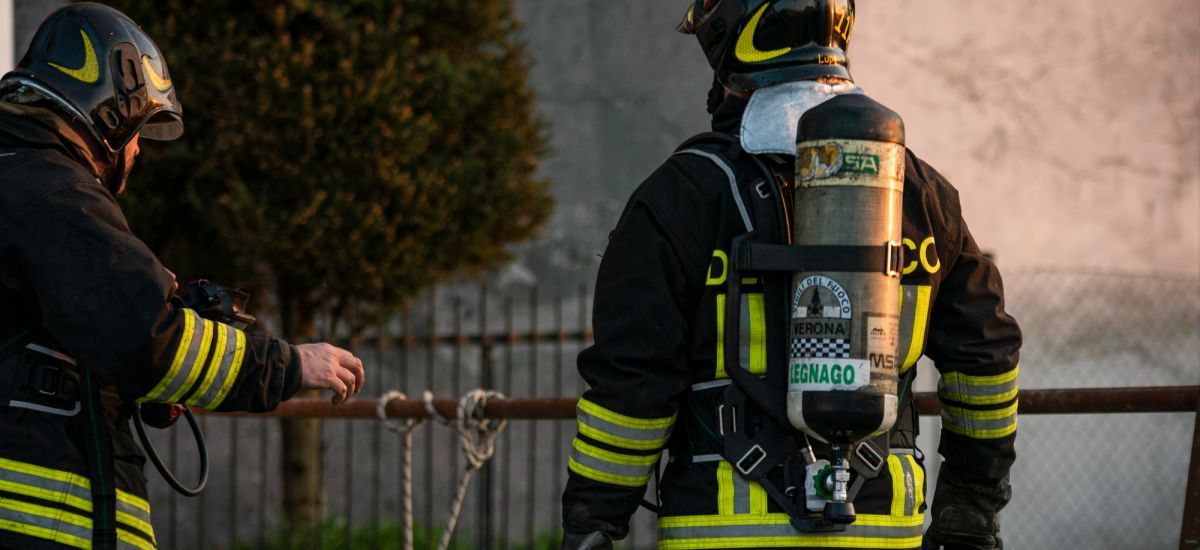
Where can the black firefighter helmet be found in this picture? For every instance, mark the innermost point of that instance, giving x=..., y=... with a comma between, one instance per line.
x=100, y=67
x=753, y=44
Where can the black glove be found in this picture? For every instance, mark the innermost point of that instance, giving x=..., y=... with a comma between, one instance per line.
x=965, y=515
x=596, y=540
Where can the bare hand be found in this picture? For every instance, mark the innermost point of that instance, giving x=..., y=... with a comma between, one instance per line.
x=328, y=367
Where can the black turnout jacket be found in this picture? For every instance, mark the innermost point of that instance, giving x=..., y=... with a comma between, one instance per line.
x=656, y=367
x=79, y=290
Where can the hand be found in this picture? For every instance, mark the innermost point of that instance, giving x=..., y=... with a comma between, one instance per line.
x=174, y=282
x=328, y=367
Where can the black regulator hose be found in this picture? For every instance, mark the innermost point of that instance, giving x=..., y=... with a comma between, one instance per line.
x=201, y=450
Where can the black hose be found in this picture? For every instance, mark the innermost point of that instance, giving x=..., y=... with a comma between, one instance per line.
x=201, y=449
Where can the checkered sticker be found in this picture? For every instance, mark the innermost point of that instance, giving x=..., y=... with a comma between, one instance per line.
x=827, y=348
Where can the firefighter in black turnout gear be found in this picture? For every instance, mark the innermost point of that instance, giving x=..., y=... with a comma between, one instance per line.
x=86, y=324
x=657, y=372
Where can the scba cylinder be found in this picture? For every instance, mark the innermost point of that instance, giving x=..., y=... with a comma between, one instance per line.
x=844, y=328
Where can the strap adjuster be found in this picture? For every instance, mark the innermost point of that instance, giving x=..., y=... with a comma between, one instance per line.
x=754, y=456
x=869, y=456
x=895, y=259
x=48, y=380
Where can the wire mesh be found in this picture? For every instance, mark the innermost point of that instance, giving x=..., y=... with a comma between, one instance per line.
x=1081, y=481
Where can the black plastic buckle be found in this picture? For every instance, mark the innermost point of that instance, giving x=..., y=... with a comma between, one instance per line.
x=754, y=456
x=48, y=380
x=870, y=457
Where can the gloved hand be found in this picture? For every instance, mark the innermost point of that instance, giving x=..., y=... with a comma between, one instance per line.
x=596, y=540
x=965, y=515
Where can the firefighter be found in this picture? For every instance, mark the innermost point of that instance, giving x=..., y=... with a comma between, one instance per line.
x=86, y=327
x=657, y=372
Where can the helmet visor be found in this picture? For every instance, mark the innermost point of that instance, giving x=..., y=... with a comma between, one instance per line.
x=163, y=126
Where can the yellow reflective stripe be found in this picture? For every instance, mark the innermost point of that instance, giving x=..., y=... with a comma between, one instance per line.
x=980, y=390
x=619, y=430
x=980, y=424
x=46, y=494
x=47, y=512
x=758, y=334
x=227, y=384
x=44, y=533
x=775, y=530
x=616, y=458
x=48, y=473
x=189, y=325
x=133, y=540
x=896, y=471
x=725, y=488
x=136, y=523
x=758, y=499
x=197, y=364
x=214, y=364
x=606, y=477
x=133, y=500
x=721, y=338
x=920, y=319
x=626, y=421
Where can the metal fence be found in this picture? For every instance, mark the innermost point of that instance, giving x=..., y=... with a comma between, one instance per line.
x=1081, y=481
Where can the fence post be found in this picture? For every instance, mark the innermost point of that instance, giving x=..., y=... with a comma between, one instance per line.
x=1189, y=532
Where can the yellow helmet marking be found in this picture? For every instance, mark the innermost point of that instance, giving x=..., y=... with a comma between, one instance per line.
x=746, y=52
x=161, y=84
x=89, y=73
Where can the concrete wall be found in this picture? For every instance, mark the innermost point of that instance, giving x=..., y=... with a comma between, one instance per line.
x=1071, y=128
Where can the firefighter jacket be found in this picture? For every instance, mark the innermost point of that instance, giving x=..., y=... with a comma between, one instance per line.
x=91, y=300
x=656, y=371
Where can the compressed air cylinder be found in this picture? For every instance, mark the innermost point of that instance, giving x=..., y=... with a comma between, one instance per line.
x=844, y=327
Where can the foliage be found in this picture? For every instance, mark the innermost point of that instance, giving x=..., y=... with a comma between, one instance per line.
x=338, y=151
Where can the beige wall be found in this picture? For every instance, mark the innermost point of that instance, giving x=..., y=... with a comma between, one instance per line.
x=1071, y=127
x=6, y=35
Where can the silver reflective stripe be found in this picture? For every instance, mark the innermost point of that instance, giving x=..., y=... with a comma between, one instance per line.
x=750, y=531
x=910, y=490
x=45, y=409
x=607, y=427
x=973, y=425
x=47, y=351
x=711, y=384
x=741, y=494
x=610, y=467
x=134, y=511
x=908, y=314
x=957, y=389
x=733, y=187
x=699, y=459
x=193, y=359
x=53, y=490
x=223, y=369
x=45, y=523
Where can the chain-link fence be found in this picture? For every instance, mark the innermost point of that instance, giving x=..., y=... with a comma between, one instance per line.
x=1081, y=481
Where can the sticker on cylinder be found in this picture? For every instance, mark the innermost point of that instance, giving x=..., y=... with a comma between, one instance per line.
x=828, y=374
x=882, y=338
x=821, y=312
x=849, y=162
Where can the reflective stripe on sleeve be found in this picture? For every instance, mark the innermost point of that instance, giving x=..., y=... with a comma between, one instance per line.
x=221, y=375
x=608, y=467
x=193, y=348
x=134, y=512
x=979, y=390
x=627, y=432
x=775, y=530
x=992, y=424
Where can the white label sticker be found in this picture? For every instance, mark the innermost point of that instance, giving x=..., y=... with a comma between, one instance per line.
x=813, y=374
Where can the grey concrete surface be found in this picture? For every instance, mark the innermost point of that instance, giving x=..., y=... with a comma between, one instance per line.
x=1071, y=128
